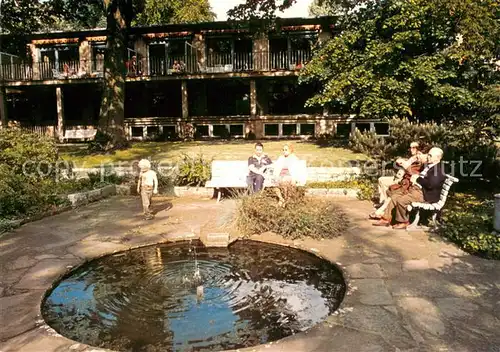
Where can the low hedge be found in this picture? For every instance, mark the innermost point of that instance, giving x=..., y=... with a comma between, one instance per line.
x=300, y=217
x=468, y=222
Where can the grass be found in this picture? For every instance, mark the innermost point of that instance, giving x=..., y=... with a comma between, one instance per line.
x=170, y=152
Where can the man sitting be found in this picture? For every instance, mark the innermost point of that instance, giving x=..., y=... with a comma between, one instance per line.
x=426, y=186
x=385, y=182
x=257, y=165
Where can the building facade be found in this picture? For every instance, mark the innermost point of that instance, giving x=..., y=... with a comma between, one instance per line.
x=212, y=80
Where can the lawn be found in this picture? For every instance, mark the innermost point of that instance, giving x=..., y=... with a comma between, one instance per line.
x=170, y=152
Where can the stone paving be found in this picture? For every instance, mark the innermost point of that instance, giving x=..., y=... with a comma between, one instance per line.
x=407, y=291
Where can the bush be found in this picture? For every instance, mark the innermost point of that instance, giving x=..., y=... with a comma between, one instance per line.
x=301, y=216
x=364, y=184
x=468, y=222
x=28, y=154
x=193, y=171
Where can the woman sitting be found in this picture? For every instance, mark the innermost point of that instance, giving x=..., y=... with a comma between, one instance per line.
x=285, y=171
x=413, y=167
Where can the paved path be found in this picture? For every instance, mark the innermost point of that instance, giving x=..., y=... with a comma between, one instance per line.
x=408, y=292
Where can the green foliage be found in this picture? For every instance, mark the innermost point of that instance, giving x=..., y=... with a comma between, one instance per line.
x=364, y=185
x=468, y=222
x=301, y=216
x=429, y=60
x=193, y=170
x=27, y=154
x=370, y=144
x=165, y=181
x=104, y=177
x=175, y=11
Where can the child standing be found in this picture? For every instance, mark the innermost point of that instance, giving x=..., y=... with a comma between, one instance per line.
x=147, y=186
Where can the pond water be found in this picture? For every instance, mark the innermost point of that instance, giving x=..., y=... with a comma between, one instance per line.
x=186, y=297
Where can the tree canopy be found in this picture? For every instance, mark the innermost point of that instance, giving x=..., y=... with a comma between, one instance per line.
x=427, y=59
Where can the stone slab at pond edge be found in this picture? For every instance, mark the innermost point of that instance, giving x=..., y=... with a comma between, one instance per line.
x=82, y=198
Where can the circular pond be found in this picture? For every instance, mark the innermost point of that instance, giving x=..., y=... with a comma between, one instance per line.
x=186, y=297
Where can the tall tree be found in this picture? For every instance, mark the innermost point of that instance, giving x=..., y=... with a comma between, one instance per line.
x=428, y=59
x=175, y=11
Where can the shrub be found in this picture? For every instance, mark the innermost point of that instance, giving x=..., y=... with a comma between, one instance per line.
x=468, y=222
x=104, y=177
x=27, y=153
x=300, y=217
x=365, y=186
x=193, y=170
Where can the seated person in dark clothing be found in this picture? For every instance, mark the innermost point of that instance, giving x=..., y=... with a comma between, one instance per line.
x=425, y=186
x=257, y=165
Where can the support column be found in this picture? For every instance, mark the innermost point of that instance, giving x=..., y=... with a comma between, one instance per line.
x=3, y=108
x=60, y=114
x=185, y=101
x=141, y=47
x=253, y=99
x=260, y=51
x=85, y=55
x=35, y=56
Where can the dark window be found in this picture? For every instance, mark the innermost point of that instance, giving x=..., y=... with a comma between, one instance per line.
x=202, y=130
x=271, y=129
x=153, y=131
x=136, y=131
x=169, y=130
x=343, y=129
x=236, y=130
x=289, y=129
x=220, y=130
x=382, y=128
x=363, y=127
x=307, y=129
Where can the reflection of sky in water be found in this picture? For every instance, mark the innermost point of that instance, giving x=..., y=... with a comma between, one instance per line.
x=205, y=318
x=127, y=307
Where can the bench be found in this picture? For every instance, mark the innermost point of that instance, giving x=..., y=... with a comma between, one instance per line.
x=435, y=208
x=80, y=134
x=234, y=174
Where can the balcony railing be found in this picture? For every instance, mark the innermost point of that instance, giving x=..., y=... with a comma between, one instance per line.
x=159, y=66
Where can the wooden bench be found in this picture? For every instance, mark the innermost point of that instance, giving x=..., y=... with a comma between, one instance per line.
x=84, y=134
x=234, y=174
x=435, y=208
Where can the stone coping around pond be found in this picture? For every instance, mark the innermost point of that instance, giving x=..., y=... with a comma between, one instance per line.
x=83, y=198
x=405, y=293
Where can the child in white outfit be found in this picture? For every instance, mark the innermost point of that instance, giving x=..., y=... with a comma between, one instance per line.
x=147, y=186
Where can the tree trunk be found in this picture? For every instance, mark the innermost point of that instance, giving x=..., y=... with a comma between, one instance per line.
x=112, y=113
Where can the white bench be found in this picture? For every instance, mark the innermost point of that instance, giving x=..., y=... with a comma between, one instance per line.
x=84, y=134
x=435, y=208
x=234, y=174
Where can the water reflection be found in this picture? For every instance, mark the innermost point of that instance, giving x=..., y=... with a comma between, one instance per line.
x=149, y=299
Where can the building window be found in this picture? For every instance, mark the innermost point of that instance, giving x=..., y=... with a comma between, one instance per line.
x=307, y=129
x=220, y=131
x=169, y=130
x=289, y=129
x=153, y=131
x=363, y=127
x=343, y=129
x=98, y=50
x=271, y=129
x=382, y=128
x=202, y=130
x=236, y=130
x=137, y=132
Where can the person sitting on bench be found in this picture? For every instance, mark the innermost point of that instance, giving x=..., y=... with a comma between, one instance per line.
x=285, y=172
x=257, y=165
x=426, y=186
